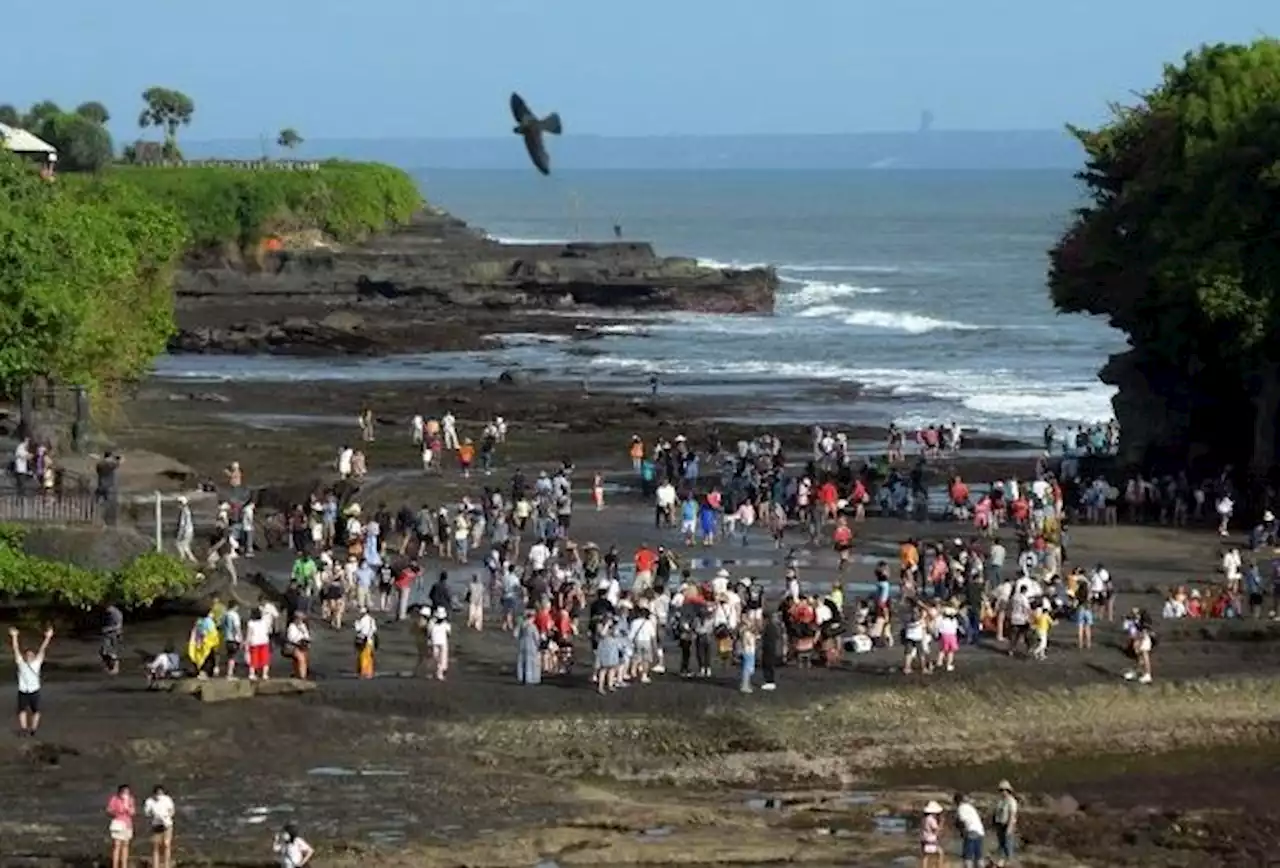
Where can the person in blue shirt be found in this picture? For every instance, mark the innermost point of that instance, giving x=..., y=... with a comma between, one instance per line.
x=688, y=519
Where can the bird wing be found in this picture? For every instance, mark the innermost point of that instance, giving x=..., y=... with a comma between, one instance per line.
x=520, y=110
x=537, y=150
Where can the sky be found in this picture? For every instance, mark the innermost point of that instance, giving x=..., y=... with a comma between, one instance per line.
x=431, y=68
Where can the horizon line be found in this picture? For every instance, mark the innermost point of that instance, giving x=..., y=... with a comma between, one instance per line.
x=614, y=136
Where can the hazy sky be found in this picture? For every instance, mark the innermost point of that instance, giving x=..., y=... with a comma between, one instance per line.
x=382, y=68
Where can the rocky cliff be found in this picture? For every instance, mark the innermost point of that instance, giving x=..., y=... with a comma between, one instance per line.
x=437, y=283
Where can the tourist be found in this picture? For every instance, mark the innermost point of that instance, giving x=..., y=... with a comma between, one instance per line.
x=257, y=637
x=121, y=809
x=528, y=651
x=1041, y=624
x=913, y=636
x=163, y=666
x=438, y=634
x=112, y=634
x=449, y=431
x=948, y=630
x=160, y=812
x=203, y=642
x=476, y=594
x=597, y=491
x=1005, y=821
x=748, y=643
x=930, y=835
x=185, y=532
x=297, y=641
x=405, y=582
x=232, y=630
x=366, y=630
x=28, y=664
x=972, y=831
x=466, y=456
x=1141, y=641
x=771, y=638
x=292, y=849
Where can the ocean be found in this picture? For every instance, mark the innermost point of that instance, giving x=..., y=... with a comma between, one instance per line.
x=925, y=287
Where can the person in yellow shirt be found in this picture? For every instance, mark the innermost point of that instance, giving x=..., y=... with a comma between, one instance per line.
x=1041, y=623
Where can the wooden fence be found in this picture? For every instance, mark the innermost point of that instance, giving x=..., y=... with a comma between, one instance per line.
x=79, y=508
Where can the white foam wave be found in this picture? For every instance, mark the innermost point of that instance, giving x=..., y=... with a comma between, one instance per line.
x=839, y=269
x=911, y=323
x=981, y=394
x=821, y=310
x=618, y=329
x=733, y=264
x=813, y=292
x=518, y=339
x=514, y=239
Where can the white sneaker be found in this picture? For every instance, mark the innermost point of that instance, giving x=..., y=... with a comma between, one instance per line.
x=659, y=669
x=769, y=686
x=1145, y=679
x=1130, y=675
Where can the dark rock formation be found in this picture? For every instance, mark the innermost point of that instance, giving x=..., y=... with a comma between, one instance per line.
x=436, y=272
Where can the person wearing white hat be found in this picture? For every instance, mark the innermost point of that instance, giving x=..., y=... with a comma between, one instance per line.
x=185, y=533
x=930, y=831
x=438, y=636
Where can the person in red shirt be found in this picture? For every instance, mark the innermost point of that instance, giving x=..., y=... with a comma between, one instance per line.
x=646, y=559
x=859, y=498
x=827, y=496
x=407, y=578
x=842, y=540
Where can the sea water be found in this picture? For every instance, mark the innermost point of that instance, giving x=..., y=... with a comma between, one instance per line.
x=927, y=288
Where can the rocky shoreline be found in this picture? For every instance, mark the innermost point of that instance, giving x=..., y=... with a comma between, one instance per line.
x=437, y=284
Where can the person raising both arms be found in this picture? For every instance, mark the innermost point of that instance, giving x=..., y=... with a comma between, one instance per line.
x=28, y=664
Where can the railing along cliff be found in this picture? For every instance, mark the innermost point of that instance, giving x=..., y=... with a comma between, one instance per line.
x=246, y=165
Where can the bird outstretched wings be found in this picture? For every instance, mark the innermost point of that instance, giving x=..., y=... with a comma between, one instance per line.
x=520, y=110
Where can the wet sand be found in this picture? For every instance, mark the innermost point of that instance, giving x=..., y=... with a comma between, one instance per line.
x=481, y=771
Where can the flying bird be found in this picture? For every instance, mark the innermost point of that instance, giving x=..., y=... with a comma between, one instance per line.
x=530, y=128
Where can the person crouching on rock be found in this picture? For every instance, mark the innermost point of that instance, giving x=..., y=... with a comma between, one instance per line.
x=366, y=630
x=297, y=639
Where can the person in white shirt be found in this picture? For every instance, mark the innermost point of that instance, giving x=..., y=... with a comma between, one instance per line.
x=366, y=630
x=345, y=457
x=257, y=638
x=948, y=629
x=970, y=823
x=185, y=532
x=416, y=427
x=1019, y=620
x=164, y=666
x=246, y=525
x=159, y=811
x=291, y=848
x=438, y=637
x=28, y=664
x=665, y=503
x=449, y=430
x=538, y=556
x=1226, y=506
x=297, y=639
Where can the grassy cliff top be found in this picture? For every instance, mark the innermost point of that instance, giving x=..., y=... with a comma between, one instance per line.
x=227, y=205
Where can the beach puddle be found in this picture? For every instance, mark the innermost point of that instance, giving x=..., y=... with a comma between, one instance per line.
x=888, y=824
x=656, y=833
x=339, y=772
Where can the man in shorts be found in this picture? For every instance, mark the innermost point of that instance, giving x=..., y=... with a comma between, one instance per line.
x=28, y=664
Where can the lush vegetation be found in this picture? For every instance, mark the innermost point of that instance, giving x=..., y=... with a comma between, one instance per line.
x=140, y=582
x=227, y=205
x=84, y=278
x=1177, y=245
x=81, y=136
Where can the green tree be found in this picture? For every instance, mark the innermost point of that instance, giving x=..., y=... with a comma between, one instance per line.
x=289, y=138
x=85, y=291
x=10, y=116
x=1177, y=244
x=39, y=113
x=84, y=145
x=94, y=111
x=168, y=110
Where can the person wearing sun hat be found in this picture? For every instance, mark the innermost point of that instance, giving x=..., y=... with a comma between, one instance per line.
x=930, y=831
x=1005, y=821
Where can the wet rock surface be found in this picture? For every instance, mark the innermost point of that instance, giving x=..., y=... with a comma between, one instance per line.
x=437, y=284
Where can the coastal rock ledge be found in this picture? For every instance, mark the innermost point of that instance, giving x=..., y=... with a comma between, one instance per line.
x=372, y=298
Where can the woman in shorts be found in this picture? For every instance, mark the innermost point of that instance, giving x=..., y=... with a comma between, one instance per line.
x=159, y=811
x=121, y=809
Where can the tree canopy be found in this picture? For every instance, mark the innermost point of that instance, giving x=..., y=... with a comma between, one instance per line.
x=84, y=280
x=1177, y=244
x=81, y=137
x=168, y=110
x=289, y=138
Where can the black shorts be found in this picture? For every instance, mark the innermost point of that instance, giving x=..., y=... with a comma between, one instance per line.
x=1255, y=599
x=29, y=702
x=564, y=520
x=232, y=649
